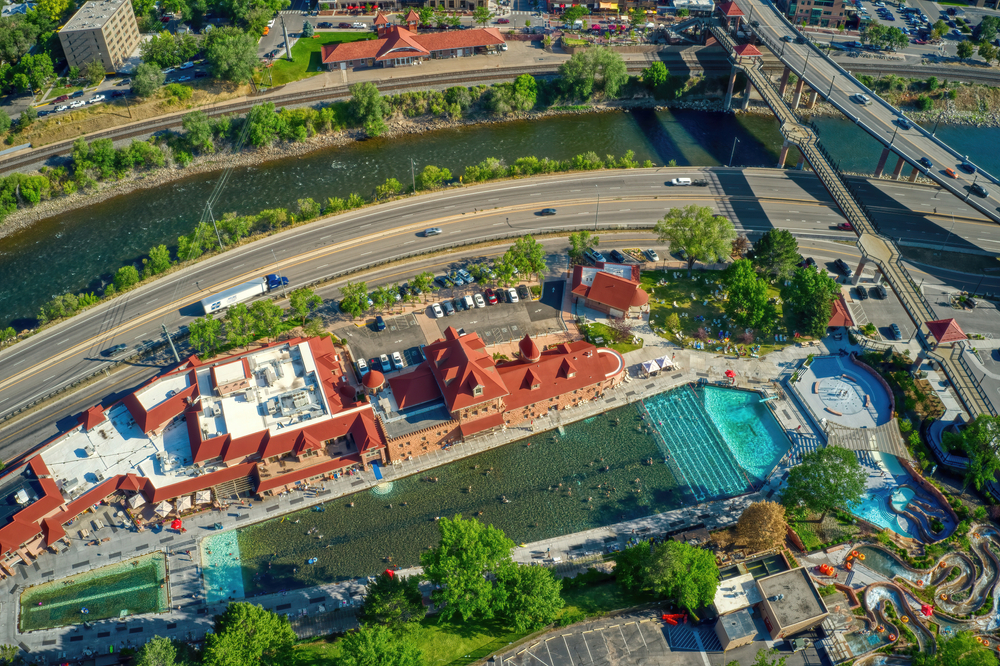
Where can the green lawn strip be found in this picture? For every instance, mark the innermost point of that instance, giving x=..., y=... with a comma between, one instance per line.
x=600, y=599
x=595, y=330
x=59, y=92
x=306, y=57
x=704, y=304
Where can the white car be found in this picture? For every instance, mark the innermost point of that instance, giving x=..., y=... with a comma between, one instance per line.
x=511, y=295
x=397, y=360
x=168, y=70
x=651, y=255
x=436, y=309
x=62, y=108
x=182, y=79
x=861, y=98
x=270, y=24
x=98, y=98
x=77, y=104
x=362, y=367
x=359, y=25
x=187, y=65
x=480, y=303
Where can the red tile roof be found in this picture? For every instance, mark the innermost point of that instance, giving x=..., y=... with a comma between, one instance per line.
x=279, y=480
x=401, y=43
x=472, y=427
x=374, y=380
x=415, y=388
x=461, y=365
x=946, y=330
x=412, y=17
x=615, y=292
x=748, y=50
x=568, y=367
x=151, y=419
x=839, y=314
x=380, y=19
x=25, y=525
x=730, y=9
x=92, y=418
x=529, y=350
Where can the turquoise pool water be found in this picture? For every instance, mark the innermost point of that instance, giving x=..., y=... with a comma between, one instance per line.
x=721, y=441
x=221, y=567
x=881, y=562
x=875, y=506
x=902, y=497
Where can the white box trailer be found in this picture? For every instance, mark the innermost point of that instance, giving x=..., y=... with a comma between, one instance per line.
x=234, y=295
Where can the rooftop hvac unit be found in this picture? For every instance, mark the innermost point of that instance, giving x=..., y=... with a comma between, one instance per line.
x=209, y=412
x=269, y=376
x=21, y=496
x=216, y=411
x=89, y=449
x=100, y=475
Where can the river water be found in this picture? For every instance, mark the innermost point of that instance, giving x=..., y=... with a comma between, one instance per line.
x=88, y=244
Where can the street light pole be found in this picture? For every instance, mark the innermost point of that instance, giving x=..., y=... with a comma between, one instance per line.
x=733, y=153
x=895, y=129
x=831, y=86
x=949, y=232
x=941, y=115
x=413, y=176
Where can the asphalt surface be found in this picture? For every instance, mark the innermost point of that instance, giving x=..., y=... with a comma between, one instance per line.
x=878, y=118
x=756, y=200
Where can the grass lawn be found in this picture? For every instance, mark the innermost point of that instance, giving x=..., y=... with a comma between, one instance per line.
x=833, y=528
x=306, y=57
x=702, y=286
x=594, y=600
x=58, y=92
x=595, y=330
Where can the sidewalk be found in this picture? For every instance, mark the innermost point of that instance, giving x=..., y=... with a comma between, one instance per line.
x=191, y=617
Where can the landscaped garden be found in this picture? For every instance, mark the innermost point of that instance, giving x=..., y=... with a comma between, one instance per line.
x=306, y=57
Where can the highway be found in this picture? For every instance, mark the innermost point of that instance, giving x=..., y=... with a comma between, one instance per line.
x=878, y=118
x=756, y=200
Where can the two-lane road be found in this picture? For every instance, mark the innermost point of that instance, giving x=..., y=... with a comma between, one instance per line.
x=756, y=200
x=878, y=118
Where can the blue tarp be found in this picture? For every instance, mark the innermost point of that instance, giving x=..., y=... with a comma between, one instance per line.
x=378, y=472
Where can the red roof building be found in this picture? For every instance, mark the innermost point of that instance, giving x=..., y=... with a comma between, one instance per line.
x=748, y=50
x=946, y=331
x=398, y=46
x=730, y=9
x=610, y=288
x=839, y=314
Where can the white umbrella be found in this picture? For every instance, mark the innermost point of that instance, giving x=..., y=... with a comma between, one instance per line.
x=203, y=497
x=163, y=508
x=183, y=502
x=136, y=500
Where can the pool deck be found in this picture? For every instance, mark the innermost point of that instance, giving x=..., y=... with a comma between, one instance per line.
x=190, y=616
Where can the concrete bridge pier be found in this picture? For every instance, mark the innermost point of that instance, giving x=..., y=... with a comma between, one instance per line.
x=746, y=94
x=811, y=102
x=783, y=155
x=899, y=168
x=914, y=174
x=881, y=163
x=799, y=87
x=857, y=273
x=802, y=161
x=729, y=90
x=784, y=81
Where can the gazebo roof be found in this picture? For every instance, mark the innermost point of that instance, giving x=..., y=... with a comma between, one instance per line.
x=380, y=19
x=748, y=50
x=946, y=330
x=373, y=380
x=839, y=314
x=730, y=9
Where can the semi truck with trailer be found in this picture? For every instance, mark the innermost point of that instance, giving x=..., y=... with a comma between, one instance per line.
x=242, y=292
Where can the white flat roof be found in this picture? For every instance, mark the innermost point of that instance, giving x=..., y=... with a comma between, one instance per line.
x=159, y=391
x=736, y=593
x=230, y=372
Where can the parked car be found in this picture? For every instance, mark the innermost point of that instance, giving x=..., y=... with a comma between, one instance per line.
x=523, y=293
x=459, y=304
x=651, y=255
x=118, y=93
x=77, y=104
x=878, y=291
x=324, y=24
x=478, y=298
x=444, y=282
x=436, y=309
x=448, y=308
x=897, y=335
x=114, y=351
x=183, y=79
x=358, y=25
x=78, y=93
x=503, y=21
x=62, y=108
x=466, y=276
x=187, y=65
x=511, y=295
x=808, y=261
x=343, y=25
x=379, y=323
x=491, y=297
x=617, y=256
x=842, y=266
x=384, y=362
x=593, y=255
x=468, y=303
x=200, y=75
x=362, y=367
x=397, y=361
x=61, y=98
x=862, y=292
x=456, y=278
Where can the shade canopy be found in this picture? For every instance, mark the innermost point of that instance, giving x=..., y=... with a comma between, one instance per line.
x=946, y=330
x=177, y=524
x=203, y=497
x=163, y=508
x=183, y=502
x=651, y=367
x=665, y=362
x=136, y=500
x=730, y=373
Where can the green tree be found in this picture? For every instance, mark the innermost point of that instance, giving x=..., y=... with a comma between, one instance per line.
x=239, y=326
x=28, y=116
x=354, y=298
x=980, y=440
x=504, y=271
x=828, y=478
x=525, y=92
x=580, y=242
x=304, y=302
x=458, y=566
x=528, y=255
x=161, y=50
x=390, y=188
x=159, y=259
x=37, y=68
x=637, y=17
x=375, y=645
x=987, y=29
x=198, y=132
x=597, y=68
x=686, y=574
x=655, y=75
x=530, y=597
x=95, y=72
x=896, y=39
x=431, y=177
x=308, y=30
x=987, y=52
x=52, y=9
x=965, y=49
x=393, y=602
x=17, y=36
x=125, y=277
x=266, y=317
x=632, y=567
x=231, y=54
x=574, y=14
x=206, y=335
x=695, y=230
x=776, y=253
x=248, y=635
x=158, y=651
x=368, y=107
x=9, y=654
x=808, y=301
x=747, y=303
x=683, y=12
x=147, y=79
x=5, y=122
x=962, y=649
x=424, y=282
x=384, y=297
x=482, y=15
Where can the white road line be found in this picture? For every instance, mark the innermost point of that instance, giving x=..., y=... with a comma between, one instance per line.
x=574, y=190
x=139, y=336
x=989, y=240
x=62, y=342
x=497, y=224
x=408, y=242
x=325, y=237
x=624, y=210
x=48, y=378
x=497, y=199
x=365, y=225
x=19, y=363
x=365, y=254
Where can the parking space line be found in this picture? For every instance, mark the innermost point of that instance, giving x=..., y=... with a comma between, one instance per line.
x=589, y=654
x=528, y=651
x=623, y=639
x=638, y=627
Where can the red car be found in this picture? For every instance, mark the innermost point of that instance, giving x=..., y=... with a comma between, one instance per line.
x=503, y=20
x=845, y=226
x=491, y=297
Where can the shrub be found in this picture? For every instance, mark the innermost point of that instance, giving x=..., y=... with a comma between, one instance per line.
x=924, y=103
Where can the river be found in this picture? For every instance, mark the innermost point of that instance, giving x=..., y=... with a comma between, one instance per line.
x=121, y=230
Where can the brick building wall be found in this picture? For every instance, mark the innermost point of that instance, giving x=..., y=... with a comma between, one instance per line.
x=421, y=442
x=538, y=409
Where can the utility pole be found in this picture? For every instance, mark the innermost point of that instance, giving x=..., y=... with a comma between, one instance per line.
x=733, y=153
x=413, y=176
x=284, y=32
x=171, y=341
x=276, y=272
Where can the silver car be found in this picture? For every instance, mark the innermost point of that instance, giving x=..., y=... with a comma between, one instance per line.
x=433, y=231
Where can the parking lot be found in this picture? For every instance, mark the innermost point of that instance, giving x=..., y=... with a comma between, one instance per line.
x=882, y=313
x=984, y=318
x=507, y=322
x=402, y=334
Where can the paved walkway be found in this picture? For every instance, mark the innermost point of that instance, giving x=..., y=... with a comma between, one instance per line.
x=189, y=616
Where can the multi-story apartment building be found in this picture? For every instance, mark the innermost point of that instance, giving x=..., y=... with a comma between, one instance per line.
x=823, y=13
x=102, y=30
